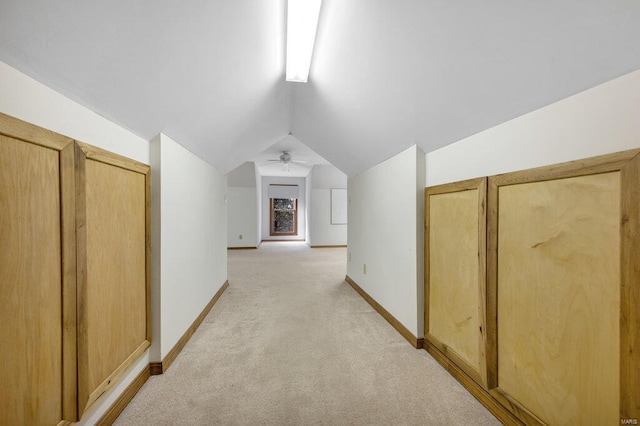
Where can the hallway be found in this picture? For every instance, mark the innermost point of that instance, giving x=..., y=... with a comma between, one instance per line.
x=290, y=342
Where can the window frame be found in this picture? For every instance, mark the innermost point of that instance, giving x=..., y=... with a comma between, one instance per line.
x=272, y=231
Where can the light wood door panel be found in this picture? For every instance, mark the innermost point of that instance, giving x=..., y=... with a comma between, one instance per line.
x=455, y=264
x=454, y=299
x=112, y=217
x=558, y=298
x=74, y=272
x=115, y=264
x=30, y=284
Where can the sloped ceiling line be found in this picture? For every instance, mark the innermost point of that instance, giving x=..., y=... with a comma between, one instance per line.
x=386, y=74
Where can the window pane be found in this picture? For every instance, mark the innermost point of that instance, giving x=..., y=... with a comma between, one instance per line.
x=284, y=203
x=283, y=221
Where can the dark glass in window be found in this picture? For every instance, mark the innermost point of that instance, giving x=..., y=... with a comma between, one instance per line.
x=283, y=216
x=283, y=222
x=284, y=203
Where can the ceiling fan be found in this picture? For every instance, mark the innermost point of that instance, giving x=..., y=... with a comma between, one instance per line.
x=286, y=159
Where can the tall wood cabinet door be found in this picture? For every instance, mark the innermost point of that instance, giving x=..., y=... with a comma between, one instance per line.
x=113, y=268
x=36, y=274
x=564, y=293
x=455, y=270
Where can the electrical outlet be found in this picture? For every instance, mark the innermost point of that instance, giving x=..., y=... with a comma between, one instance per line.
x=240, y=237
x=364, y=268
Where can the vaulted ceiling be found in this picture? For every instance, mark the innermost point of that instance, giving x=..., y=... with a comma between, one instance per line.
x=386, y=74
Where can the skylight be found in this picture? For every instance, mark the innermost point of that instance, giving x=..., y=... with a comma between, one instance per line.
x=302, y=23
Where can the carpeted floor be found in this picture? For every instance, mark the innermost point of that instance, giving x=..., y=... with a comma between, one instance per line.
x=291, y=343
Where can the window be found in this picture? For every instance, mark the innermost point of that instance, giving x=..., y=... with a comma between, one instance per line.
x=284, y=216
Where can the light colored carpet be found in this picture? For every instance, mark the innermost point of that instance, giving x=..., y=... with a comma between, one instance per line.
x=291, y=343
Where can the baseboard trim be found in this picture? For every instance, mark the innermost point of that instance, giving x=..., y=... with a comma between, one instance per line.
x=480, y=393
x=156, y=368
x=242, y=248
x=123, y=400
x=330, y=246
x=404, y=331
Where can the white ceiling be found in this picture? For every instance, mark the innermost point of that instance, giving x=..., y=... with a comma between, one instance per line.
x=299, y=153
x=386, y=74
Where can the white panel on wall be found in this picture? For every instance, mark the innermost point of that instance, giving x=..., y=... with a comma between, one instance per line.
x=319, y=183
x=321, y=231
x=338, y=206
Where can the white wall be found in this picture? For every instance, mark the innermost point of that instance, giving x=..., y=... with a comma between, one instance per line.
x=243, y=176
x=242, y=211
x=308, y=186
x=259, y=204
x=193, y=236
x=321, y=231
x=384, y=232
x=266, y=209
x=26, y=99
x=598, y=121
x=421, y=173
x=155, y=160
x=242, y=207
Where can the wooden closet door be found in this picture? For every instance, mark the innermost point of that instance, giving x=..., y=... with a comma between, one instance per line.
x=112, y=219
x=455, y=269
x=564, y=284
x=37, y=325
x=559, y=294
